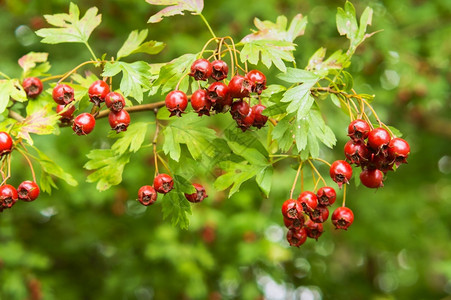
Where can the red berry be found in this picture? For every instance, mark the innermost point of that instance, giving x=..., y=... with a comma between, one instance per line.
x=223, y=105
x=356, y=152
x=217, y=92
x=294, y=223
x=147, y=195
x=319, y=214
x=239, y=87
x=98, y=91
x=201, y=69
x=258, y=80
x=68, y=114
x=200, y=102
x=259, y=120
x=326, y=196
x=398, y=150
x=119, y=121
x=358, y=130
x=6, y=143
x=378, y=139
x=32, y=86
x=114, y=101
x=372, y=178
x=380, y=161
x=163, y=183
x=28, y=191
x=63, y=94
x=308, y=200
x=176, y=103
x=342, y=218
x=8, y=196
x=83, y=124
x=340, y=172
x=219, y=70
x=314, y=230
x=239, y=109
x=199, y=195
x=246, y=122
x=291, y=209
x=296, y=237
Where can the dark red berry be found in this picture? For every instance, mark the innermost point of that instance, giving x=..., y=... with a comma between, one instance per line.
x=246, y=122
x=114, y=101
x=201, y=69
x=291, y=209
x=342, y=218
x=239, y=87
x=63, y=94
x=294, y=223
x=326, y=196
x=223, y=105
x=356, y=152
x=319, y=214
x=259, y=120
x=8, y=195
x=358, y=130
x=296, y=237
x=176, y=103
x=380, y=161
x=340, y=172
x=6, y=143
x=98, y=91
x=239, y=109
x=217, y=92
x=372, y=178
x=314, y=230
x=32, y=86
x=28, y=191
x=199, y=195
x=68, y=114
x=200, y=102
x=119, y=121
x=378, y=139
x=219, y=70
x=83, y=124
x=258, y=80
x=308, y=200
x=398, y=151
x=163, y=183
x=147, y=195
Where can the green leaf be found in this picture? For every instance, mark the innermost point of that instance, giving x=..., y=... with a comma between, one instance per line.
x=268, y=52
x=319, y=128
x=176, y=7
x=71, y=28
x=293, y=75
x=264, y=180
x=236, y=174
x=176, y=207
x=41, y=122
x=252, y=155
x=135, y=77
x=11, y=88
x=171, y=145
x=283, y=133
x=183, y=185
x=132, y=139
x=134, y=44
x=108, y=165
x=300, y=133
x=28, y=61
x=346, y=21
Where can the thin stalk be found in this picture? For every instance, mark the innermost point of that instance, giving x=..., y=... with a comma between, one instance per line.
x=29, y=163
x=4, y=75
x=317, y=172
x=208, y=25
x=344, y=196
x=92, y=52
x=321, y=160
x=295, y=180
x=154, y=142
x=165, y=165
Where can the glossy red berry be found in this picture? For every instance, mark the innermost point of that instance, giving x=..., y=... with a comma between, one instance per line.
x=220, y=70
x=199, y=195
x=296, y=237
x=378, y=139
x=6, y=143
x=239, y=109
x=380, y=161
x=372, y=178
x=217, y=92
x=119, y=121
x=246, y=122
x=98, y=91
x=314, y=230
x=200, y=103
x=163, y=183
x=201, y=69
x=176, y=103
x=342, y=218
x=326, y=196
x=259, y=120
x=32, y=86
x=398, y=151
x=294, y=223
x=66, y=115
x=83, y=124
x=291, y=209
x=222, y=105
x=340, y=172
x=114, y=101
x=239, y=87
x=258, y=80
x=147, y=195
x=319, y=214
x=358, y=130
x=8, y=195
x=308, y=200
x=63, y=94
x=356, y=152
x=28, y=191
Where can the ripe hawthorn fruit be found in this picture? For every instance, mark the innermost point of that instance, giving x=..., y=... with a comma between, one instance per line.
x=163, y=183
x=259, y=119
x=378, y=139
x=308, y=200
x=97, y=92
x=314, y=230
x=201, y=69
x=358, y=130
x=398, y=151
x=147, y=195
x=32, y=86
x=66, y=116
x=199, y=195
x=340, y=172
x=291, y=209
x=6, y=143
x=326, y=196
x=296, y=237
x=240, y=87
x=220, y=70
x=63, y=94
x=372, y=178
x=119, y=121
x=176, y=102
x=83, y=124
x=258, y=81
x=8, y=195
x=342, y=218
x=200, y=103
x=114, y=101
x=28, y=191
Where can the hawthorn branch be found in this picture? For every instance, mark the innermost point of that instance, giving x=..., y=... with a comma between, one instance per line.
x=16, y=116
x=137, y=108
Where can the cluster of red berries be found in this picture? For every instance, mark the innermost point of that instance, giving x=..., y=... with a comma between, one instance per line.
x=220, y=97
x=163, y=184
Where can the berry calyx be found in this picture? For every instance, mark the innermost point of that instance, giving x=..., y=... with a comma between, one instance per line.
x=358, y=130
x=63, y=94
x=66, y=115
x=6, y=143
x=259, y=120
x=239, y=87
x=258, y=80
x=114, y=101
x=199, y=195
x=200, y=103
x=220, y=70
x=32, y=86
x=294, y=223
x=342, y=218
x=83, y=124
x=239, y=109
x=119, y=121
x=314, y=230
x=372, y=178
x=398, y=151
x=28, y=191
x=308, y=200
x=326, y=196
x=176, y=103
x=296, y=237
x=98, y=91
x=340, y=172
x=378, y=139
x=163, y=183
x=291, y=209
x=356, y=152
x=8, y=195
x=201, y=69
x=319, y=214
x=217, y=92
x=147, y=195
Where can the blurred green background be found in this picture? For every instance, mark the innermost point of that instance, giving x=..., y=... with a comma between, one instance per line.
x=82, y=244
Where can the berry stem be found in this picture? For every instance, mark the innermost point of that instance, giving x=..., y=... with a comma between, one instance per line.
x=154, y=142
x=136, y=108
x=4, y=75
x=8, y=159
x=316, y=171
x=165, y=165
x=344, y=196
x=91, y=51
x=15, y=116
x=321, y=160
x=29, y=163
x=67, y=74
x=208, y=25
x=295, y=180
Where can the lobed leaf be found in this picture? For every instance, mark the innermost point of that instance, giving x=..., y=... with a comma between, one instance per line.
x=176, y=207
x=132, y=139
x=42, y=122
x=134, y=44
x=268, y=52
x=11, y=88
x=28, y=62
x=175, y=7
